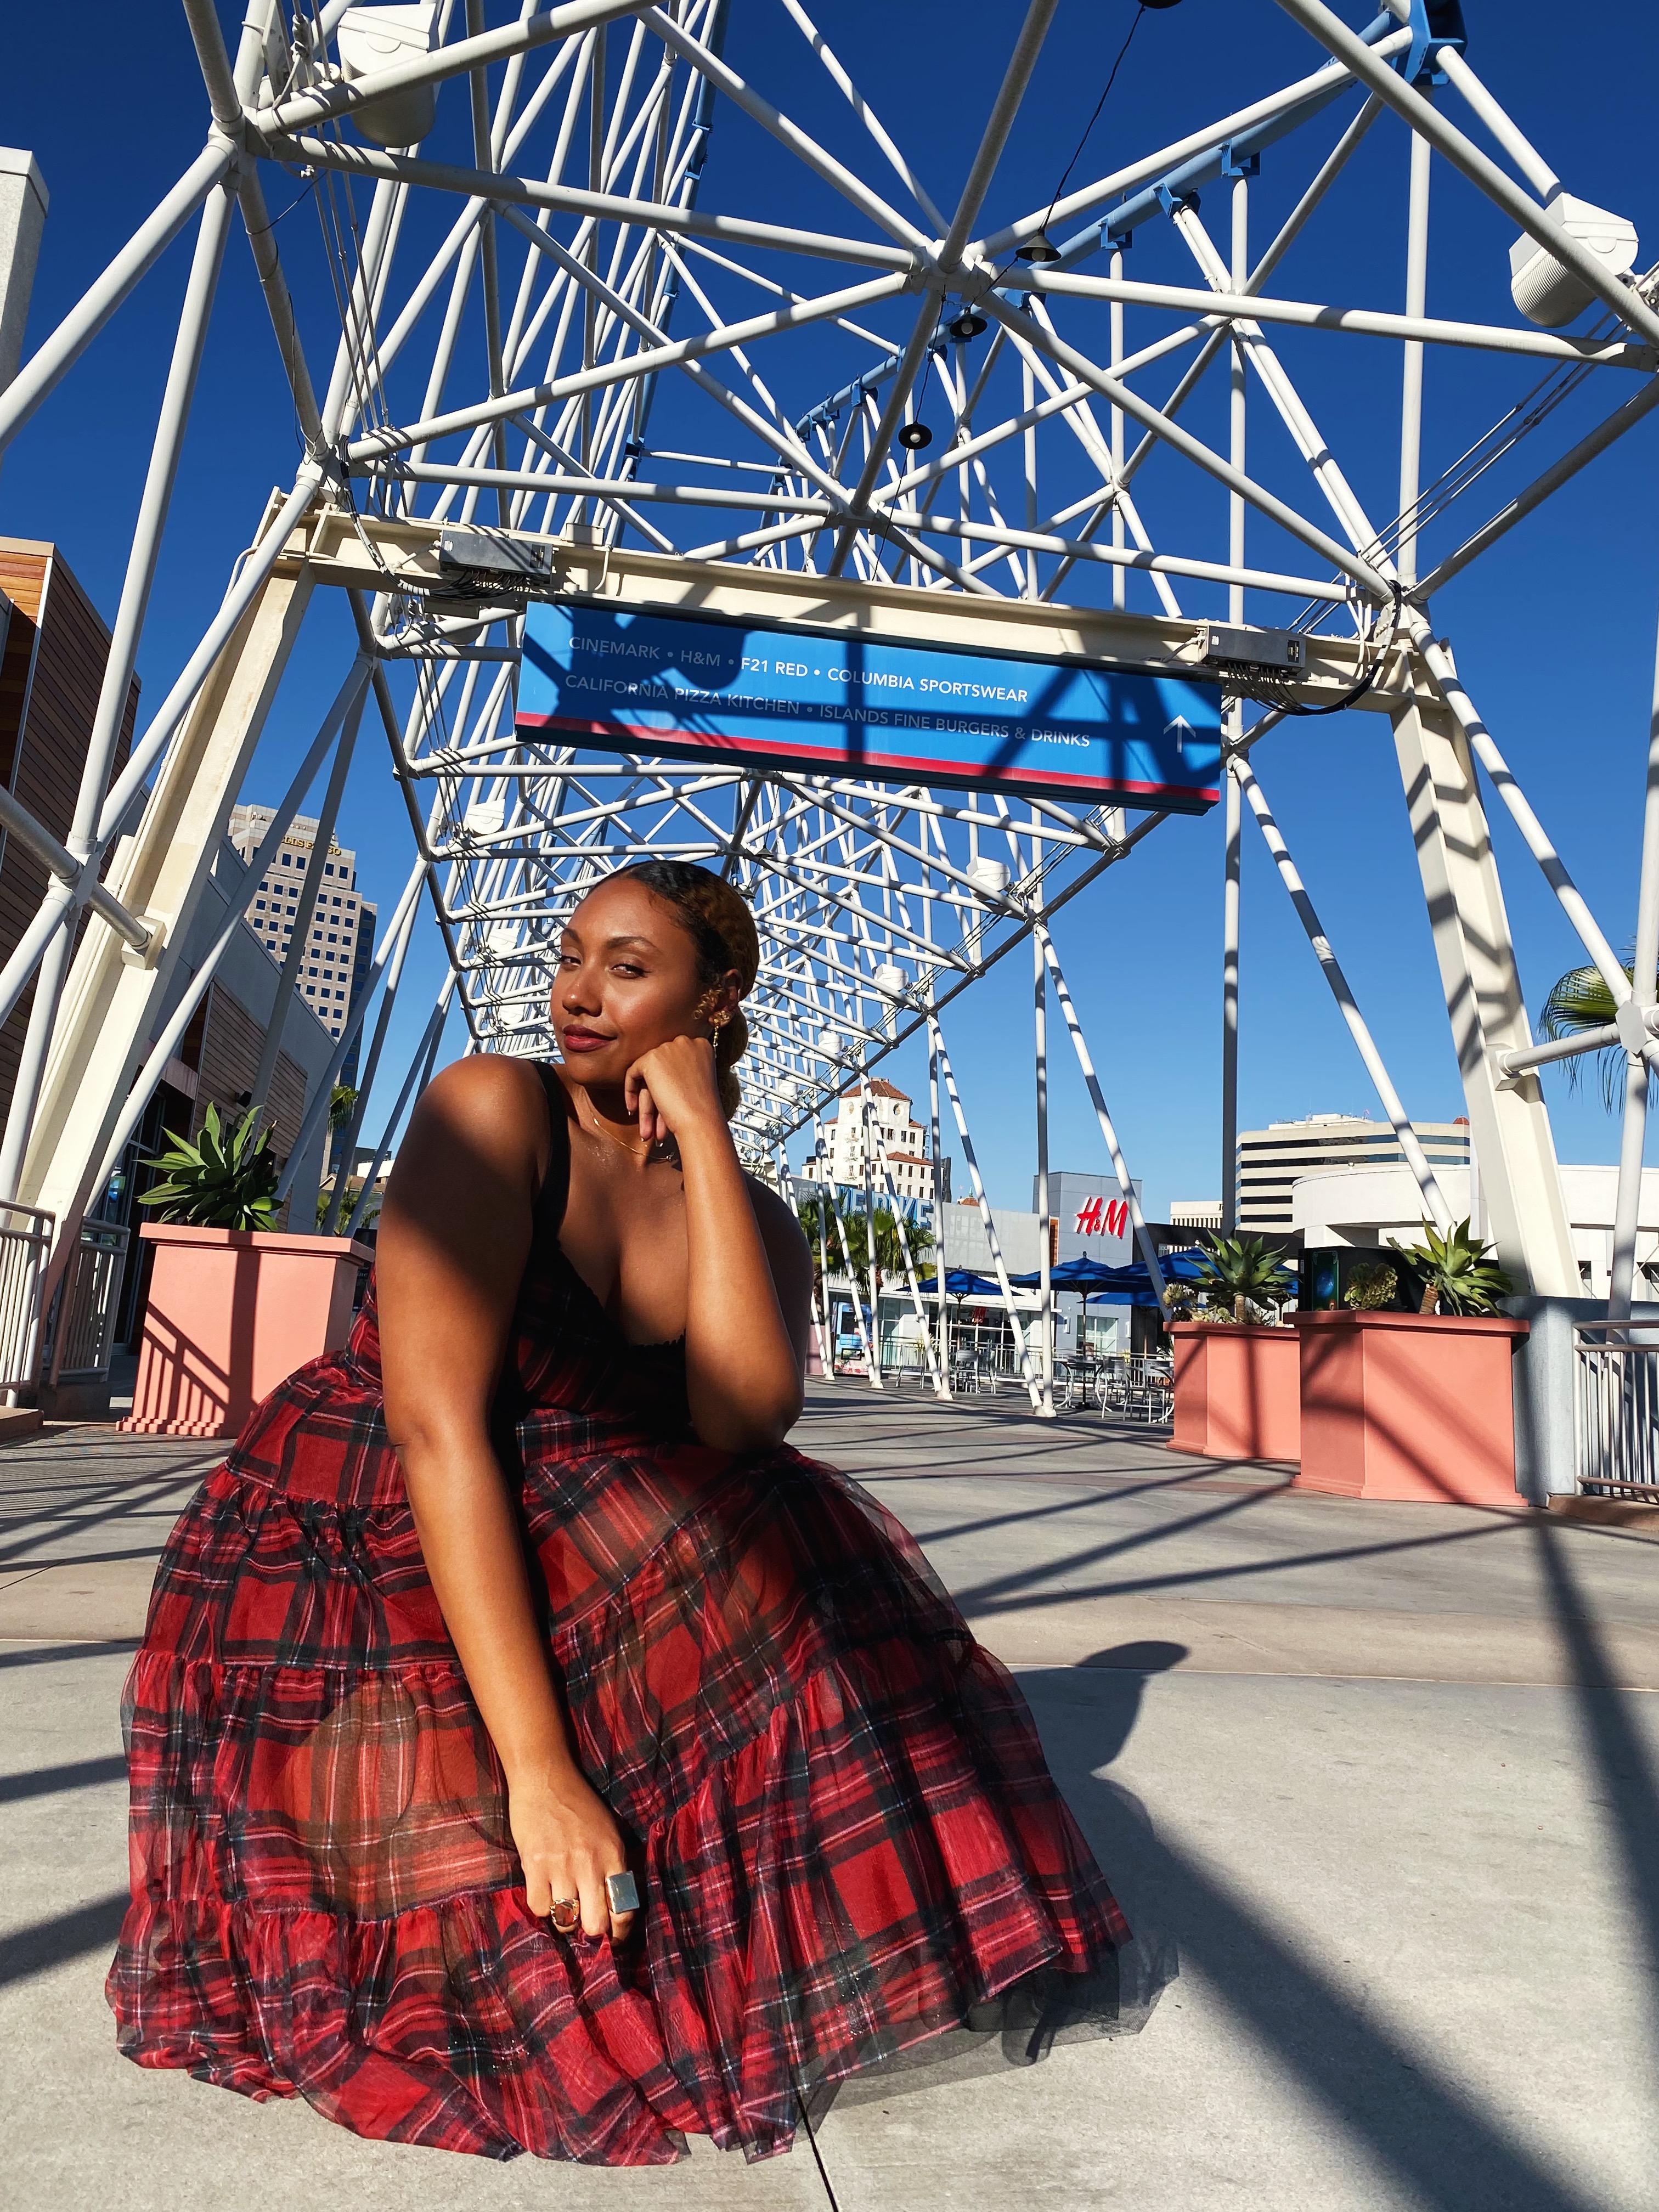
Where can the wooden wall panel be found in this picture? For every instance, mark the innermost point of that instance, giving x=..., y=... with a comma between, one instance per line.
x=50, y=677
x=231, y=1042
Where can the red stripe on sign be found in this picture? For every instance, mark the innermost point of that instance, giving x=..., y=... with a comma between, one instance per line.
x=740, y=749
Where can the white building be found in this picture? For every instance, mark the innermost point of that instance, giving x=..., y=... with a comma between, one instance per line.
x=1367, y=1206
x=1195, y=1213
x=1272, y=1161
x=899, y=1142
x=341, y=936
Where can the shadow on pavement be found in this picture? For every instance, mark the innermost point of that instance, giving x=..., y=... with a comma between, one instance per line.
x=1429, y=2133
x=56, y=1781
x=48, y=1943
x=1623, y=1776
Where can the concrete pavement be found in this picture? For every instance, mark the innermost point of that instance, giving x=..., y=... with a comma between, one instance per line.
x=1385, y=1778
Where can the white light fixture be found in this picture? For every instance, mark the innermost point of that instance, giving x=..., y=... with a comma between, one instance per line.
x=1544, y=290
x=890, y=980
x=370, y=39
x=988, y=877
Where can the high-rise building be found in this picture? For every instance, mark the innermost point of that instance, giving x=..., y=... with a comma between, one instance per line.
x=341, y=940
x=900, y=1142
x=1271, y=1160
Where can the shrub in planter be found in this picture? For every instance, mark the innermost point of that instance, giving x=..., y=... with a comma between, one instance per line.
x=234, y=1305
x=1246, y=1272
x=223, y=1181
x=1456, y=1270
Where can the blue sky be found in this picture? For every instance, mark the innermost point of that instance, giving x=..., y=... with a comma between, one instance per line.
x=1553, y=631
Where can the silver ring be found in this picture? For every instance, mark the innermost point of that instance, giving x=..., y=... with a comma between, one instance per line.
x=621, y=1892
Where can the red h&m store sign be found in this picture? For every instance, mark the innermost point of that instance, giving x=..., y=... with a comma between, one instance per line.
x=1098, y=1217
x=1091, y=1217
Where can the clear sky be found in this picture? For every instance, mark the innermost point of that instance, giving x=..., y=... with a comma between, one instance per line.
x=1553, y=632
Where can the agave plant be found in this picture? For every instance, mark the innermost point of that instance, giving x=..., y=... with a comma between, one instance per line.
x=1580, y=1001
x=1458, y=1271
x=1244, y=1269
x=225, y=1180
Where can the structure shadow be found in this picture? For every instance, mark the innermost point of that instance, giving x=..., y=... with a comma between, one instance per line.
x=1018, y=1591
x=1626, y=1778
x=58, y=1781
x=53, y=1655
x=1429, y=2133
x=48, y=1943
x=59, y=1521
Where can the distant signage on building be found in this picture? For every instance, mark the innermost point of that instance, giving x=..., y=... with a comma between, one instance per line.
x=1100, y=1216
x=766, y=697
x=1091, y=1217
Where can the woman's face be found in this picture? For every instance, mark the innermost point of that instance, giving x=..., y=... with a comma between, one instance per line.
x=628, y=978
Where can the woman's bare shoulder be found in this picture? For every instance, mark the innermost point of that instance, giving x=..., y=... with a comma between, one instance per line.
x=488, y=1108
x=786, y=1247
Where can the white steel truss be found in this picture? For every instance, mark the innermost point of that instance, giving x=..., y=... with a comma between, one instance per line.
x=530, y=318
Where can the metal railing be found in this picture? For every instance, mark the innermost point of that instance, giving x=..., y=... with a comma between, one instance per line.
x=25, y=1242
x=83, y=1319
x=1616, y=1408
x=1136, y=1387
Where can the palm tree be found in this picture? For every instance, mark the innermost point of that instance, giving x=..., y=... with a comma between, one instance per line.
x=890, y=1252
x=818, y=1215
x=1579, y=1002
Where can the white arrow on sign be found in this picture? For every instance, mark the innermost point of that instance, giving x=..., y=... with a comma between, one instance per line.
x=1181, y=729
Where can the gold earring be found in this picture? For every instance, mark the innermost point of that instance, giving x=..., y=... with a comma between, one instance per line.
x=718, y=1022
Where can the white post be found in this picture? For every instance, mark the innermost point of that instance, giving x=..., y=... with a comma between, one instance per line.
x=1231, y=855
x=938, y=1218
x=1045, y=1283
x=1080, y=1045
x=1119, y=581
x=846, y=1263
x=1411, y=396
x=1410, y=1144
x=870, y=1267
x=1633, y=1023
x=1233, y=835
x=826, y=1348
x=1028, y=1373
x=909, y=1260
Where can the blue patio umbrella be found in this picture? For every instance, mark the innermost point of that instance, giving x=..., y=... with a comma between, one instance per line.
x=962, y=1283
x=1129, y=1285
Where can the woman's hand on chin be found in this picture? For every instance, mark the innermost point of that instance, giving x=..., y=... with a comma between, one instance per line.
x=674, y=1087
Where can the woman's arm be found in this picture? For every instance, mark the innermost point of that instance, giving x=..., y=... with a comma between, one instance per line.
x=744, y=1361
x=454, y=1236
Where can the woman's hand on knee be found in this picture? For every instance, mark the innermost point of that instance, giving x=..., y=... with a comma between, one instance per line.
x=568, y=1844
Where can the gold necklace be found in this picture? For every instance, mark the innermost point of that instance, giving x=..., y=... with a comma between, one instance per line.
x=639, y=1151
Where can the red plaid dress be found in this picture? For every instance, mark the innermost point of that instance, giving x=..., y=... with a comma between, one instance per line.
x=846, y=1837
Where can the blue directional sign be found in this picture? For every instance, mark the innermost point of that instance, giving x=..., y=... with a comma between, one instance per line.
x=695, y=686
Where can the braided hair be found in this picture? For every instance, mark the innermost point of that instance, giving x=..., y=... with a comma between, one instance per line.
x=718, y=921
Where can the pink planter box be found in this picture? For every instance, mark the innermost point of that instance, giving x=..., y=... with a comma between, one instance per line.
x=1409, y=1406
x=1238, y=1391
x=232, y=1312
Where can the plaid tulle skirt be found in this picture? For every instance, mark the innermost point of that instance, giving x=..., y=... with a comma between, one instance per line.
x=847, y=1843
